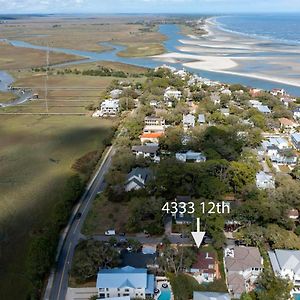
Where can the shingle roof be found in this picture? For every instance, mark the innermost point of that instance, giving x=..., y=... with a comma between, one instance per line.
x=152, y=135
x=144, y=173
x=145, y=148
x=244, y=258
x=210, y=296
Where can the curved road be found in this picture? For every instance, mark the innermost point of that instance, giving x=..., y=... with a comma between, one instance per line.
x=58, y=280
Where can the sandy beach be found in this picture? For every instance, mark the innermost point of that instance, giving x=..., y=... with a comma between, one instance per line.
x=236, y=54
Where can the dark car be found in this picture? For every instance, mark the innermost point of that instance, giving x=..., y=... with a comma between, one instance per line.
x=78, y=215
x=122, y=234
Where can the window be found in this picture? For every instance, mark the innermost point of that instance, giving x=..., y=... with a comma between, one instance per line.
x=101, y=296
x=126, y=290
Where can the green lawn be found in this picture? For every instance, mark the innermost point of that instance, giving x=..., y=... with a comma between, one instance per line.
x=36, y=155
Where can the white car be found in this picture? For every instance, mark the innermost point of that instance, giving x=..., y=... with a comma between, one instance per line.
x=110, y=232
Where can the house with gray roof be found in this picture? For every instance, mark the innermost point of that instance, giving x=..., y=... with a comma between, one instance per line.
x=188, y=121
x=137, y=179
x=210, y=296
x=286, y=264
x=243, y=266
x=125, y=282
x=295, y=138
x=147, y=151
x=190, y=156
x=264, y=181
x=201, y=119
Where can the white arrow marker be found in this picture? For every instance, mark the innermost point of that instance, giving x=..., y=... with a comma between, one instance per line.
x=198, y=235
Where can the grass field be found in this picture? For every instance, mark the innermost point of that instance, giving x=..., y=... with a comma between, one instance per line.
x=105, y=215
x=36, y=155
x=81, y=34
x=13, y=58
x=140, y=50
x=6, y=97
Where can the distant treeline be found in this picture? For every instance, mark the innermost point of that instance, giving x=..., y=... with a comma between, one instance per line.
x=100, y=71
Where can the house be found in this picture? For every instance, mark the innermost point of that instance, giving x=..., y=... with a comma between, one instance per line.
x=201, y=119
x=154, y=103
x=293, y=214
x=190, y=156
x=188, y=121
x=225, y=112
x=295, y=138
x=139, y=260
x=183, y=218
x=287, y=101
x=255, y=103
x=243, y=266
x=117, y=298
x=151, y=137
x=154, y=121
x=109, y=108
x=210, y=296
x=226, y=92
x=205, y=268
x=263, y=109
x=287, y=124
x=255, y=92
x=286, y=264
x=154, y=129
x=125, y=282
x=172, y=94
x=264, y=181
x=296, y=113
x=116, y=93
x=277, y=92
x=147, y=151
x=215, y=98
x=137, y=179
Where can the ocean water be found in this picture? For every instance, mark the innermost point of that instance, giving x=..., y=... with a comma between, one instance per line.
x=283, y=28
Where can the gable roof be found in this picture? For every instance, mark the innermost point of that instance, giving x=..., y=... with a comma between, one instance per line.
x=210, y=296
x=143, y=173
x=152, y=135
x=285, y=259
x=122, y=277
x=146, y=148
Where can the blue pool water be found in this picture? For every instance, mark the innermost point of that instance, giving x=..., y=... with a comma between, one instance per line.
x=297, y=296
x=165, y=294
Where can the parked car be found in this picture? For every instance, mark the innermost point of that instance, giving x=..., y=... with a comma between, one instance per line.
x=110, y=232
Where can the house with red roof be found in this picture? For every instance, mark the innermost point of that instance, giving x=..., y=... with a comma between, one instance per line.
x=205, y=269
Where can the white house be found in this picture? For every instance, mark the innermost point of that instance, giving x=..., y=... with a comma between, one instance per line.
x=125, y=282
x=296, y=113
x=286, y=264
x=108, y=108
x=172, y=94
x=264, y=181
x=137, y=179
x=243, y=266
x=188, y=121
x=147, y=151
x=153, y=120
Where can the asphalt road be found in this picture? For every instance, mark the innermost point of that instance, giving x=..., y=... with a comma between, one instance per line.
x=58, y=284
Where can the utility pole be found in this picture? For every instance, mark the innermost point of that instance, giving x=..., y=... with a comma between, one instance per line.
x=46, y=79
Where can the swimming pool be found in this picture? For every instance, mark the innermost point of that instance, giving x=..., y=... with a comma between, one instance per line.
x=165, y=294
x=297, y=296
